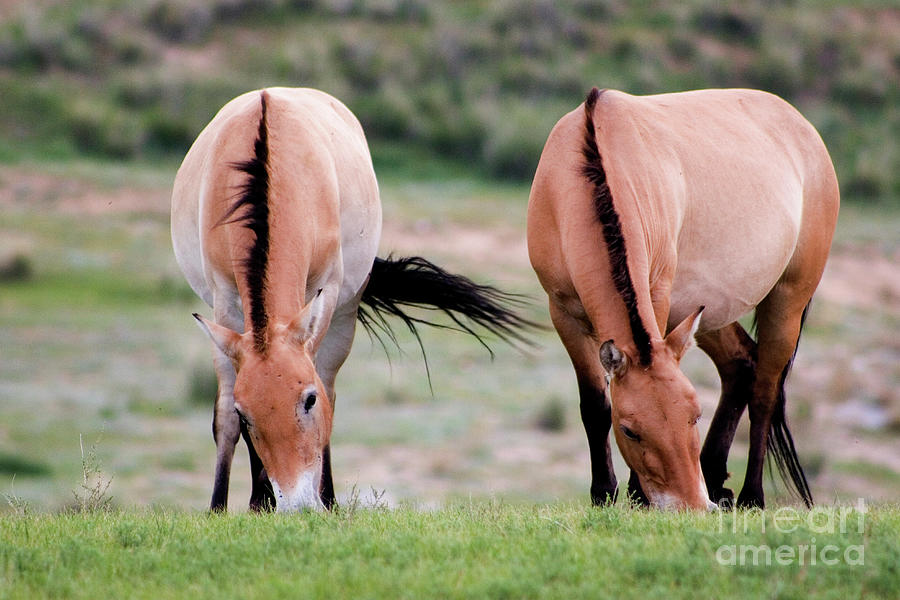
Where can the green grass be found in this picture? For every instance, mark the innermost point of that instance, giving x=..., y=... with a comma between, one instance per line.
x=469, y=550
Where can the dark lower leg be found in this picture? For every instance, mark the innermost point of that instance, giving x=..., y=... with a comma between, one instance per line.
x=219, y=501
x=326, y=486
x=226, y=433
x=779, y=319
x=595, y=409
x=734, y=354
x=761, y=407
x=596, y=417
x=736, y=392
x=752, y=495
x=262, y=498
x=326, y=489
x=635, y=491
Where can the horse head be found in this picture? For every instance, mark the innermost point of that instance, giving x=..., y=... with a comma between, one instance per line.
x=654, y=417
x=281, y=401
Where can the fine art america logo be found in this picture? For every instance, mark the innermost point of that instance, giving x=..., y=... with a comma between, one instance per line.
x=825, y=521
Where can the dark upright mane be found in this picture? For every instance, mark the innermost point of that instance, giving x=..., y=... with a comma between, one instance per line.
x=254, y=195
x=612, y=231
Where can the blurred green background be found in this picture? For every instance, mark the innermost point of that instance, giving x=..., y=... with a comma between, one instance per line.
x=99, y=101
x=472, y=81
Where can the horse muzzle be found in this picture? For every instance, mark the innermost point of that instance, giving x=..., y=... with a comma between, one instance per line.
x=303, y=494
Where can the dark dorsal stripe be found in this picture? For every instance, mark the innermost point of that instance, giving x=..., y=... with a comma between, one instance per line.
x=612, y=231
x=253, y=199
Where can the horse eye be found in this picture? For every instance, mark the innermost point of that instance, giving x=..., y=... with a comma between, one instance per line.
x=309, y=402
x=630, y=434
x=245, y=424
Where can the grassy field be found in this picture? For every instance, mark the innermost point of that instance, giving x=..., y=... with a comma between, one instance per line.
x=467, y=550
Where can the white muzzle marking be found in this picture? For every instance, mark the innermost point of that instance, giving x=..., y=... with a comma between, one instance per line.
x=667, y=501
x=710, y=505
x=664, y=501
x=304, y=494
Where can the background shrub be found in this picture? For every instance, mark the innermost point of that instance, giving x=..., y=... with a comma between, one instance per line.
x=480, y=82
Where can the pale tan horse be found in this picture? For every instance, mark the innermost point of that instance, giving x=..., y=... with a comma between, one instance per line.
x=653, y=219
x=276, y=220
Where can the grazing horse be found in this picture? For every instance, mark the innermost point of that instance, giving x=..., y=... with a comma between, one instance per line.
x=276, y=220
x=656, y=219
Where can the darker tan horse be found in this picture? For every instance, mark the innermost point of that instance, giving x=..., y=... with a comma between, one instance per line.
x=276, y=219
x=656, y=219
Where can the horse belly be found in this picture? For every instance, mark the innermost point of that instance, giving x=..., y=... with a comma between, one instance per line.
x=360, y=233
x=730, y=274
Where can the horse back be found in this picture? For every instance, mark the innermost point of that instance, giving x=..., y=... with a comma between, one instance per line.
x=737, y=188
x=323, y=198
x=713, y=189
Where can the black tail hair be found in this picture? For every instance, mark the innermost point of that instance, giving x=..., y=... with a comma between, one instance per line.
x=414, y=282
x=780, y=442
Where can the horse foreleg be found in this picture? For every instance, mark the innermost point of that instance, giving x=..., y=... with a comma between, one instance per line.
x=332, y=353
x=635, y=491
x=326, y=488
x=226, y=430
x=734, y=354
x=595, y=408
x=261, y=495
x=596, y=417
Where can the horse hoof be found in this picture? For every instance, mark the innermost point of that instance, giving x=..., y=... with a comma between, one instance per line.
x=604, y=497
x=722, y=496
x=262, y=504
x=750, y=501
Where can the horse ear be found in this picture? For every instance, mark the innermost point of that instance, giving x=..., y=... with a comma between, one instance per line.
x=613, y=360
x=224, y=338
x=680, y=338
x=310, y=323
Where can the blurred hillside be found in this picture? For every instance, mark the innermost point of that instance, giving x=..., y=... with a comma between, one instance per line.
x=478, y=82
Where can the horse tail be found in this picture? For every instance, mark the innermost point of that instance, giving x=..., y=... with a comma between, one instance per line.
x=396, y=285
x=780, y=442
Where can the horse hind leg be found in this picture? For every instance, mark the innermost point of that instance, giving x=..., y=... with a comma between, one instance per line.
x=734, y=354
x=779, y=322
x=595, y=408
